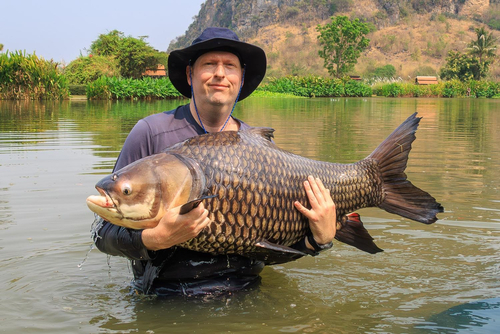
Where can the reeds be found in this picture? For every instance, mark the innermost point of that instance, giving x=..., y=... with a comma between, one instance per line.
x=29, y=77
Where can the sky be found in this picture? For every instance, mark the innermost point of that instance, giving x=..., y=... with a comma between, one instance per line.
x=63, y=29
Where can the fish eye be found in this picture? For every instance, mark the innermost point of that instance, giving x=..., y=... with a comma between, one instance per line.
x=127, y=190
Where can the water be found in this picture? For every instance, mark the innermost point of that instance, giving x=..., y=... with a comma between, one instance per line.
x=442, y=278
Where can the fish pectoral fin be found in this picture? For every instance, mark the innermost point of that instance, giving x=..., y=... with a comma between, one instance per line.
x=271, y=253
x=352, y=232
x=185, y=208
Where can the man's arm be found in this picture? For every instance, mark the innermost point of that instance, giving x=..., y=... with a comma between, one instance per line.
x=173, y=228
x=322, y=217
x=119, y=241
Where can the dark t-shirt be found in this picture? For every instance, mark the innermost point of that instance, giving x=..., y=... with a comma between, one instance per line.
x=175, y=270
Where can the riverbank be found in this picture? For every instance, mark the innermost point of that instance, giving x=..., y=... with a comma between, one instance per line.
x=150, y=89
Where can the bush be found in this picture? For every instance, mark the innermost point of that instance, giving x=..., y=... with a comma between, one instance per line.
x=312, y=86
x=357, y=89
x=461, y=66
x=83, y=70
x=452, y=88
x=120, y=88
x=28, y=77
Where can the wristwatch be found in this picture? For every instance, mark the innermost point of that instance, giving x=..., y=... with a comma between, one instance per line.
x=317, y=247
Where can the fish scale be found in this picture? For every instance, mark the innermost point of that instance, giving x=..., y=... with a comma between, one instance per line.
x=249, y=185
x=256, y=169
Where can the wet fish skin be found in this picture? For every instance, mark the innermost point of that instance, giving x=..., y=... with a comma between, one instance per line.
x=254, y=184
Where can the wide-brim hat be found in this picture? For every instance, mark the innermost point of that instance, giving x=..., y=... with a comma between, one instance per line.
x=212, y=39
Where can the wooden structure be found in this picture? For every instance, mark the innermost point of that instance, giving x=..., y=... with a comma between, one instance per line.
x=158, y=72
x=426, y=80
x=355, y=77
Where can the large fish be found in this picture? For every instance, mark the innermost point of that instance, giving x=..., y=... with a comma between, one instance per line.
x=249, y=185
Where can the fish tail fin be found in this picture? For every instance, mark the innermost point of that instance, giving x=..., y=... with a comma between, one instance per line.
x=352, y=232
x=400, y=195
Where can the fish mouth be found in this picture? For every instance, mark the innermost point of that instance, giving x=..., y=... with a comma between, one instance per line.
x=103, y=201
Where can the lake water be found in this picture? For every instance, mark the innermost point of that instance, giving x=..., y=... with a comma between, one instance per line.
x=442, y=278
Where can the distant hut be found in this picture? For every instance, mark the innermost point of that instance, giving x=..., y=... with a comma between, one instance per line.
x=426, y=80
x=158, y=72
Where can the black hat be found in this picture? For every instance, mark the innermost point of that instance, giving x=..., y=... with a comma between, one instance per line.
x=212, y=39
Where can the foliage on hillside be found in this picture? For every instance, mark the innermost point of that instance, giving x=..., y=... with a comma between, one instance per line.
x=413, y=36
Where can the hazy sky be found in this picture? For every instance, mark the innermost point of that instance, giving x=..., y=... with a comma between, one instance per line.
x=62, y=29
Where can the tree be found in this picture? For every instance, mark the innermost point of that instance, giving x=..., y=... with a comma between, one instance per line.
x=83, y=70
x=1, y=47
x=343, y=41
x=475, y=63
x=484, y=47
x=107, y=45
x=461, y=66
x=133, y=55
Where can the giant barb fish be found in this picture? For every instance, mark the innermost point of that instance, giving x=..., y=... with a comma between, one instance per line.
x=249, y=185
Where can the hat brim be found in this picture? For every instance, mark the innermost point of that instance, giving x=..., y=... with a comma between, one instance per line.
x=252, y=56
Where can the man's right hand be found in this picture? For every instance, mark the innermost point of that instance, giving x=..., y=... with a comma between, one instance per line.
x=175, y=228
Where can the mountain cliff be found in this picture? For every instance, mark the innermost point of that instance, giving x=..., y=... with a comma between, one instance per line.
x=412, y=35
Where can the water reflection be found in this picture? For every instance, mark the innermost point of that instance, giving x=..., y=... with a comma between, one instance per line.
x=476, y=317
x=51, y=153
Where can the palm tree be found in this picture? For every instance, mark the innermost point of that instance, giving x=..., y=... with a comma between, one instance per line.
x=484, y=48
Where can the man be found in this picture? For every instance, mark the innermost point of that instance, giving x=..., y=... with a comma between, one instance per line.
x=216, y=71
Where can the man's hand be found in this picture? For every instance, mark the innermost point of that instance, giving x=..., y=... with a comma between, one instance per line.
x=322, y=215
x=175, y=228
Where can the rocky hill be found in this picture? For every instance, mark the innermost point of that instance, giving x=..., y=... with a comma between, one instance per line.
x=412, y=35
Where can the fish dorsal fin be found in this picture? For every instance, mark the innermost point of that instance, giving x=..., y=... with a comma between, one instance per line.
x=266, y=133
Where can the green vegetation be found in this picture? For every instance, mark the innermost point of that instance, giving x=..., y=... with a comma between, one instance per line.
x=115, y=63
x=133, y=55
x=473, y=65
x=452, y=88
x=460, y=66
x=386, y=71
x=29, y=77
x=121, y=88
x=342, y=41
x=312, y=86
x=84, y=70
x=262, y=93
x=484, y=48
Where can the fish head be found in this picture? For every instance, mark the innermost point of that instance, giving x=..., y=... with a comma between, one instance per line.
x=138, y=195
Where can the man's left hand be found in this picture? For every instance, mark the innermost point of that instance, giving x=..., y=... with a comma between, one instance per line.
x=322, y=215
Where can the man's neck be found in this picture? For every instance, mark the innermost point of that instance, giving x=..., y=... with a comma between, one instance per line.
x=213, y=118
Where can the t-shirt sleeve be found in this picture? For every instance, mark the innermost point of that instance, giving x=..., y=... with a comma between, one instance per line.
x=137, y=145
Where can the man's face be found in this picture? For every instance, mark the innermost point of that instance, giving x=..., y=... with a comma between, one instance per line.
x=216, y=78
